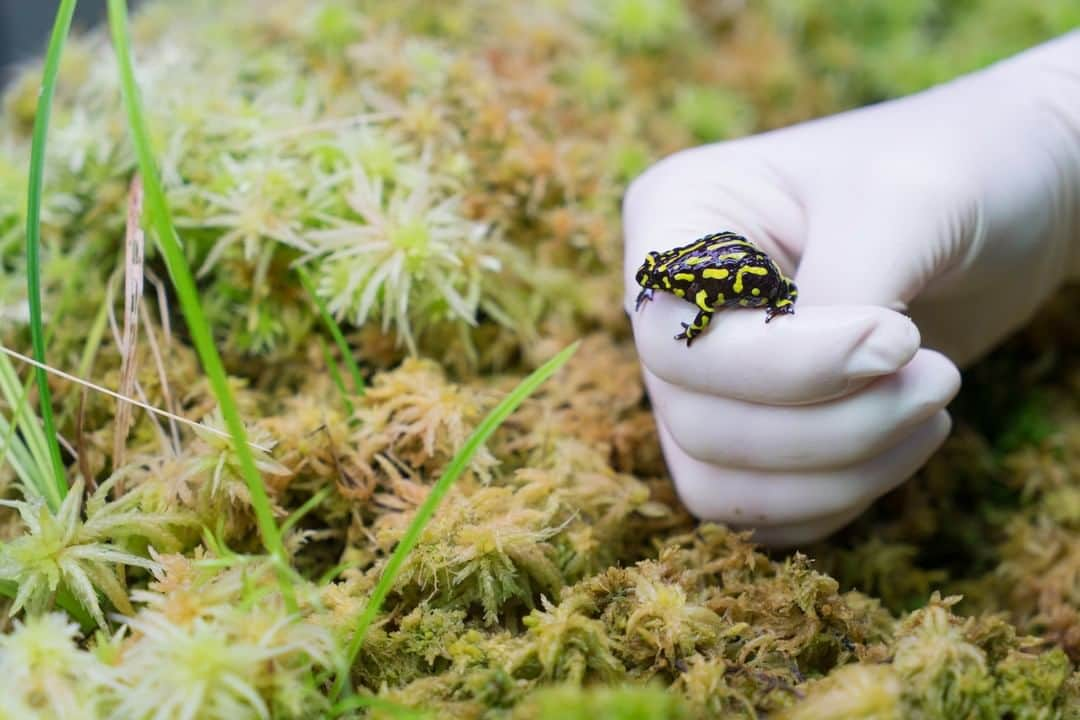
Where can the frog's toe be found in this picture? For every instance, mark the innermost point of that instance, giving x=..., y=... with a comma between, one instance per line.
x=688, y=334
x=643, y=297
x=772, y=312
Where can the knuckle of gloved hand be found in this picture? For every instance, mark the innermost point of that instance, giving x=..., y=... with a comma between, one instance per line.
x=828, y=444
x=640, y=189
x=924, y=176
x=747, y=452
x=696, y=443
x=804, y=531
x=699, y=430
x=867, y=439
x=709, y=501
x=761, y=499
x=668, y=177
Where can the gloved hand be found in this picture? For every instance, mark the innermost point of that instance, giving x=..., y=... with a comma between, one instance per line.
x=960, y=205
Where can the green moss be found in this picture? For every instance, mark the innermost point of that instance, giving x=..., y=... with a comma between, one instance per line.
x=943, y=674
x=619, y=703
x=1031, y=686
x=644, y=24
x=712, y=114
x=450, y=175
x=852, y=692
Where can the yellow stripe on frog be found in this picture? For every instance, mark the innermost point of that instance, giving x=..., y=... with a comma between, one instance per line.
x=753, y=270
x=727, y=242
x=702, y=300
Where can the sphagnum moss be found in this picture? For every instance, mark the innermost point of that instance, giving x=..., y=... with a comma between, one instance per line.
x=448, y=177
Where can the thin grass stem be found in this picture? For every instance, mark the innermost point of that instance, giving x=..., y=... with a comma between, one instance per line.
x=335, y=331
x=309, y=505
x=117, y=396
x=355, y=702
x=28, y=452
x=56, y=490
x=183, y=281
x=335, y=377
x=424, y=513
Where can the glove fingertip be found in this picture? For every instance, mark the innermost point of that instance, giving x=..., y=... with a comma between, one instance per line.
x=888, y=343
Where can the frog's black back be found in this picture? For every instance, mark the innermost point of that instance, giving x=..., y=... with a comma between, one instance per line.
x=728, y=268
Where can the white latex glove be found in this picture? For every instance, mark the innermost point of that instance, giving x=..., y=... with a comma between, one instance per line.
x=960, y=204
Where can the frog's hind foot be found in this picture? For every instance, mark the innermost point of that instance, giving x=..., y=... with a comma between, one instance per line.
x=695, y=328
x=772, y=312
x=687, y=334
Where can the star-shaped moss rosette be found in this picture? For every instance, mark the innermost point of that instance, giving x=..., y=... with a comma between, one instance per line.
x=449, y=177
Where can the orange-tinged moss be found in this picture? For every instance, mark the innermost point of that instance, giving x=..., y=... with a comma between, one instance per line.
x=414, y=415
x=486, y=551
x=451, y=175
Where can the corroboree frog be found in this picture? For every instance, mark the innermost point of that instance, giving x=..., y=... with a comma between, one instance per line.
x=719, y=270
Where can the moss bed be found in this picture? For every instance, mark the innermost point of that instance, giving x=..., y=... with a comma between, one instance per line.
x=449, y=175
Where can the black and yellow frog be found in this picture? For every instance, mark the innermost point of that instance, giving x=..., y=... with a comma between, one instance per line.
x=720, y=270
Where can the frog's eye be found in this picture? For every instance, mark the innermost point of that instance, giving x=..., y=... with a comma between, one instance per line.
x=651, y=259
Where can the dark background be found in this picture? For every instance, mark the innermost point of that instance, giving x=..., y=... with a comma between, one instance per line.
x=25, y=27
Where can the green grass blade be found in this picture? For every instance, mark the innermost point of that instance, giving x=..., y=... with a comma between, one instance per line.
x=330, y=575
x=27, y=452
x=335, y=331
x=298, y=514
x=57, y=489
x=18, y=457
x=22, y=416
x=424, y=513
x=93, y=340
x=183, y=281
x=335, y=376
x=355, y=702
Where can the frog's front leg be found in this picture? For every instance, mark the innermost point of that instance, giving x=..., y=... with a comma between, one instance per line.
x=643, y=296
x=695, y=328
